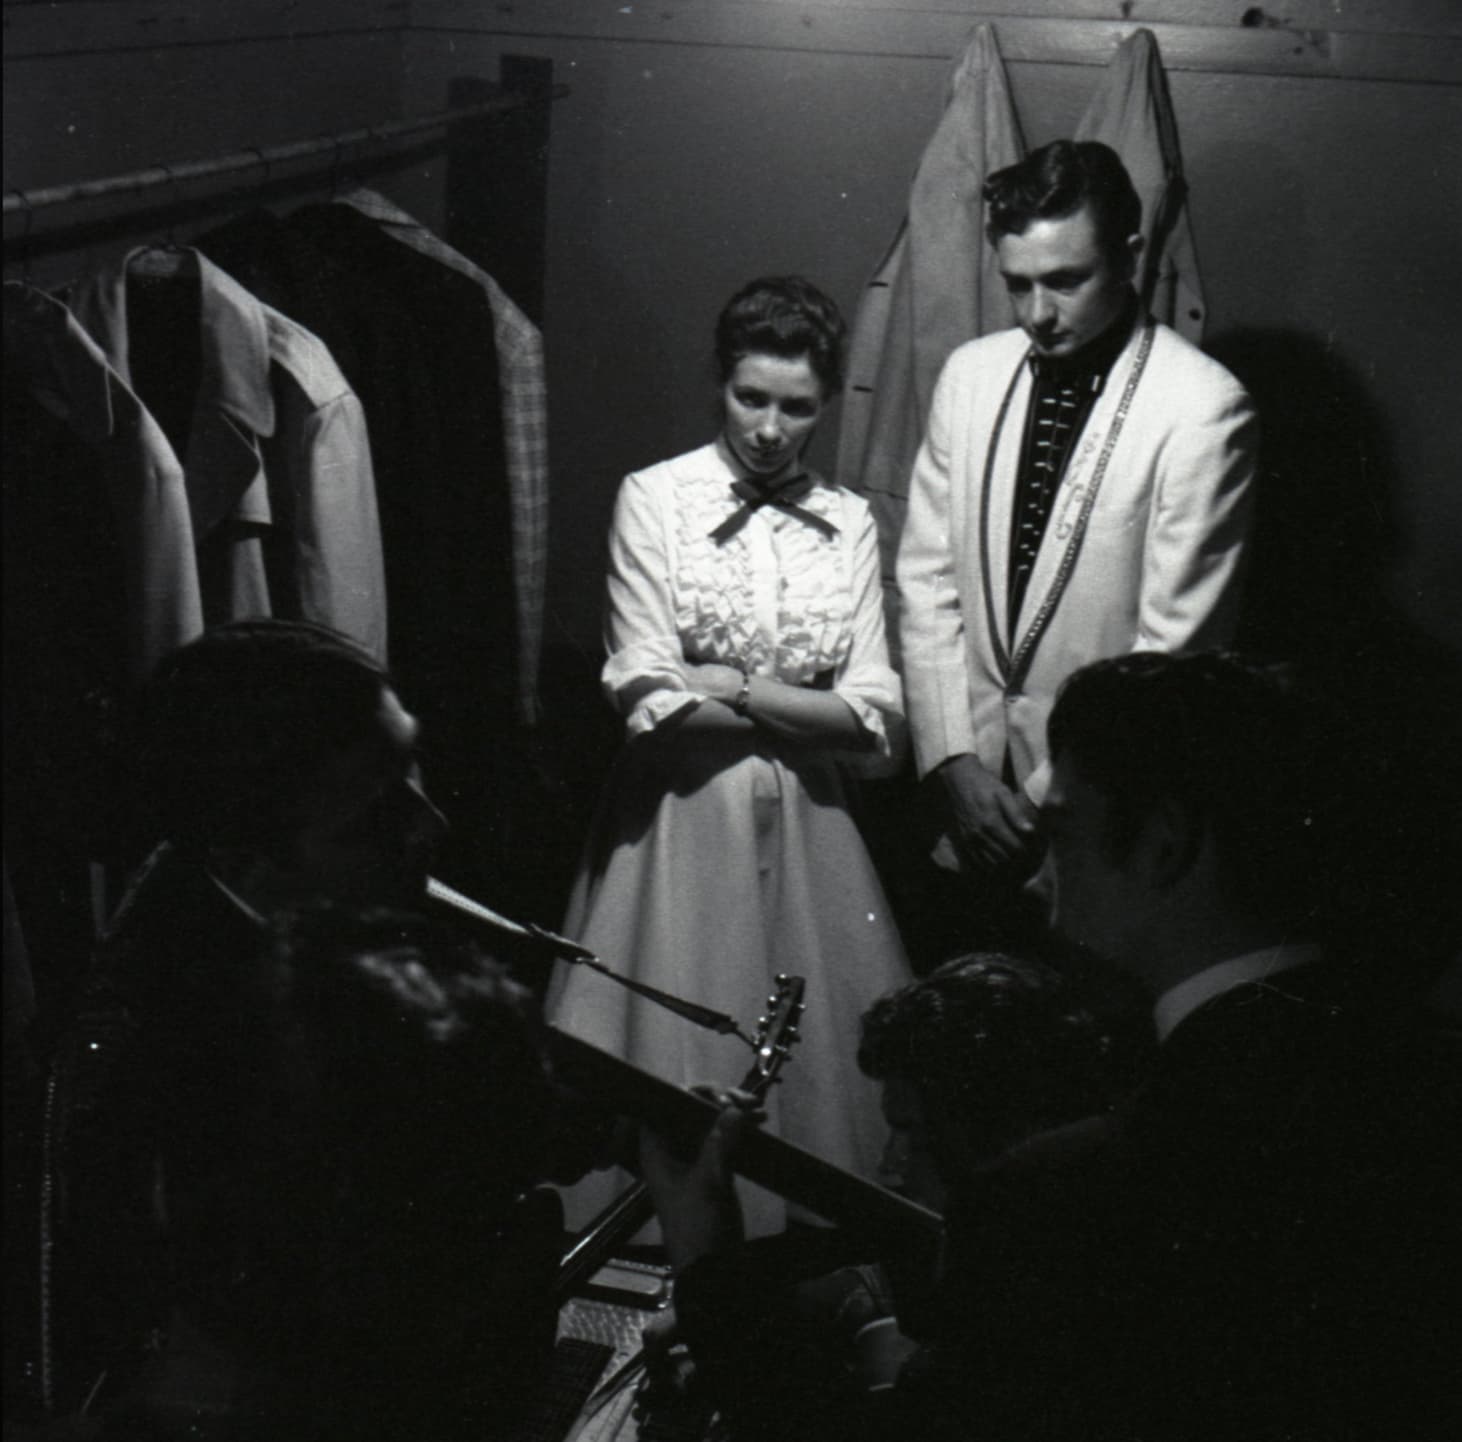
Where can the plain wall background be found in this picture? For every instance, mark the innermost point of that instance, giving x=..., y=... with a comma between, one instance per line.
x=1327, y=211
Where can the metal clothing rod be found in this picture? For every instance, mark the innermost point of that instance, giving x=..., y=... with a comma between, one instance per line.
x=266, y=156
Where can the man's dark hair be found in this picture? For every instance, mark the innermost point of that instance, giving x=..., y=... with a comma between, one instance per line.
x=1001, y=1047
x=232, y=726
x=1056, y=181
x=1251, y=756
x=783, y=316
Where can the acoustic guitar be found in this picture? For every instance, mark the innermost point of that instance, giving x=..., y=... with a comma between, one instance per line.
x=776, y=1034
x=891, y=1222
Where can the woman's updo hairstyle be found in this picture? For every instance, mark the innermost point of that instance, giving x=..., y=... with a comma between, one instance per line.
x=783, y=315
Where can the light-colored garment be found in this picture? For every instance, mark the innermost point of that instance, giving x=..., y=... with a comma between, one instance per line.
x=277, y=462
x=1156, y=565
x=938, y=287
x=1133, y=113
x=717, y=861
x=47, y=350
x=523, y=396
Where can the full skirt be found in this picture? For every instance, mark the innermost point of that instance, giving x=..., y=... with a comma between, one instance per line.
x=710, y=870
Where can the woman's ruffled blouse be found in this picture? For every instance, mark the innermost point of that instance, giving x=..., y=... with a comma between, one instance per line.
x=781, y=598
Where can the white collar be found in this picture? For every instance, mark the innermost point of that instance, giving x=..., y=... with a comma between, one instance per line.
x=1182, y=1000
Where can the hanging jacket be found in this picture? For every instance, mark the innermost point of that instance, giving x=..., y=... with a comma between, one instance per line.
x=938, y=287
x=271, y=440
x=447, y=519
x=50, y=358
x=1133, y=113
x=523, y=397
x=99, y=584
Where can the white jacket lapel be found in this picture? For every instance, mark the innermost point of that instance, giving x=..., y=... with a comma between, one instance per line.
x=1006, y=430
x=1066, y=528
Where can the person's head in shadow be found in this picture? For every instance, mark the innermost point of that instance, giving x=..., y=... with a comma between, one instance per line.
x=377, y=1261
x=1209, y=807
x=279, y=755
x=985, y=1051
x=1195, y=813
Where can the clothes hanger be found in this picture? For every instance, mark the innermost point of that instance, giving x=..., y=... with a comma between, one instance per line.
x=169, y=260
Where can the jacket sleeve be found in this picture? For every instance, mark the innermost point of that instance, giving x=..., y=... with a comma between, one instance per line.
x=932, y=624
x=867, y=682
x=341, y=571
x=1198, y=528
x=644, y=676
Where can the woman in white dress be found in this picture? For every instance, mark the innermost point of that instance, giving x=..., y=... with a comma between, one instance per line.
x=747, y=655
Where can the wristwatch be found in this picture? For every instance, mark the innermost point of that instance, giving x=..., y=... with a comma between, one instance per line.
x=742, y=704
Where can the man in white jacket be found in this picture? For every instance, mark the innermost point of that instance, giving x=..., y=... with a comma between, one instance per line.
x=1083, y=490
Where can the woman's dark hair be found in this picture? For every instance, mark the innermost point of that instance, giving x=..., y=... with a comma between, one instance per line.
x=782, y=315
x=1056, y=181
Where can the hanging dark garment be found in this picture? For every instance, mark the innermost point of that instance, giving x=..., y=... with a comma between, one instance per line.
x=99, y=582
x=64, y=684
x=368, y=330
x=427, y=364
x=523, y=398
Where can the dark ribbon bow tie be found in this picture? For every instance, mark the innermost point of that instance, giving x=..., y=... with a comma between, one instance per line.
x=784, y=496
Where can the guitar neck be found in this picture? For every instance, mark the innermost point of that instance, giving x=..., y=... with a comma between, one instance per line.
x=798, y=1175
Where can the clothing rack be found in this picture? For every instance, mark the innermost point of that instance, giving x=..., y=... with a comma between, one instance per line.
x=136, y=181
x=495, y=147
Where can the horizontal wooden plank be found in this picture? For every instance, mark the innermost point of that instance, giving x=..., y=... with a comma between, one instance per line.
x=924, y=33
x=89, y=27
x=1402, y=17
x=1406, y=40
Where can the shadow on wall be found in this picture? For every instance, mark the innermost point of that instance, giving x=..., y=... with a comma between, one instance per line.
x=1318, y=595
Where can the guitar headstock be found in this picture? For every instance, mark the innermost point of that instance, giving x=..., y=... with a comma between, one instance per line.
x=776, y=1033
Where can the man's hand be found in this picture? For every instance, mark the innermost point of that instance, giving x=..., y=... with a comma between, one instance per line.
x=994, y=825
x=693, y=1195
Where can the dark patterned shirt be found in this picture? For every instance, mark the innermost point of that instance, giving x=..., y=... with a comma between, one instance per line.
x=1062, y=396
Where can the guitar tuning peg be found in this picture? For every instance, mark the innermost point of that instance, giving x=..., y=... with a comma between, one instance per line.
x=783, y=980
x=761, y=1023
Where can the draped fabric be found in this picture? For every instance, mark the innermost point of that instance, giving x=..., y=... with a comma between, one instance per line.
x=523, y=398
x=100, y=581
x=271, y=439
x=126, y=478
x=298, y=417
x=416, y=340
x=1133, y=113
x=938, y=287
x=447, y=523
